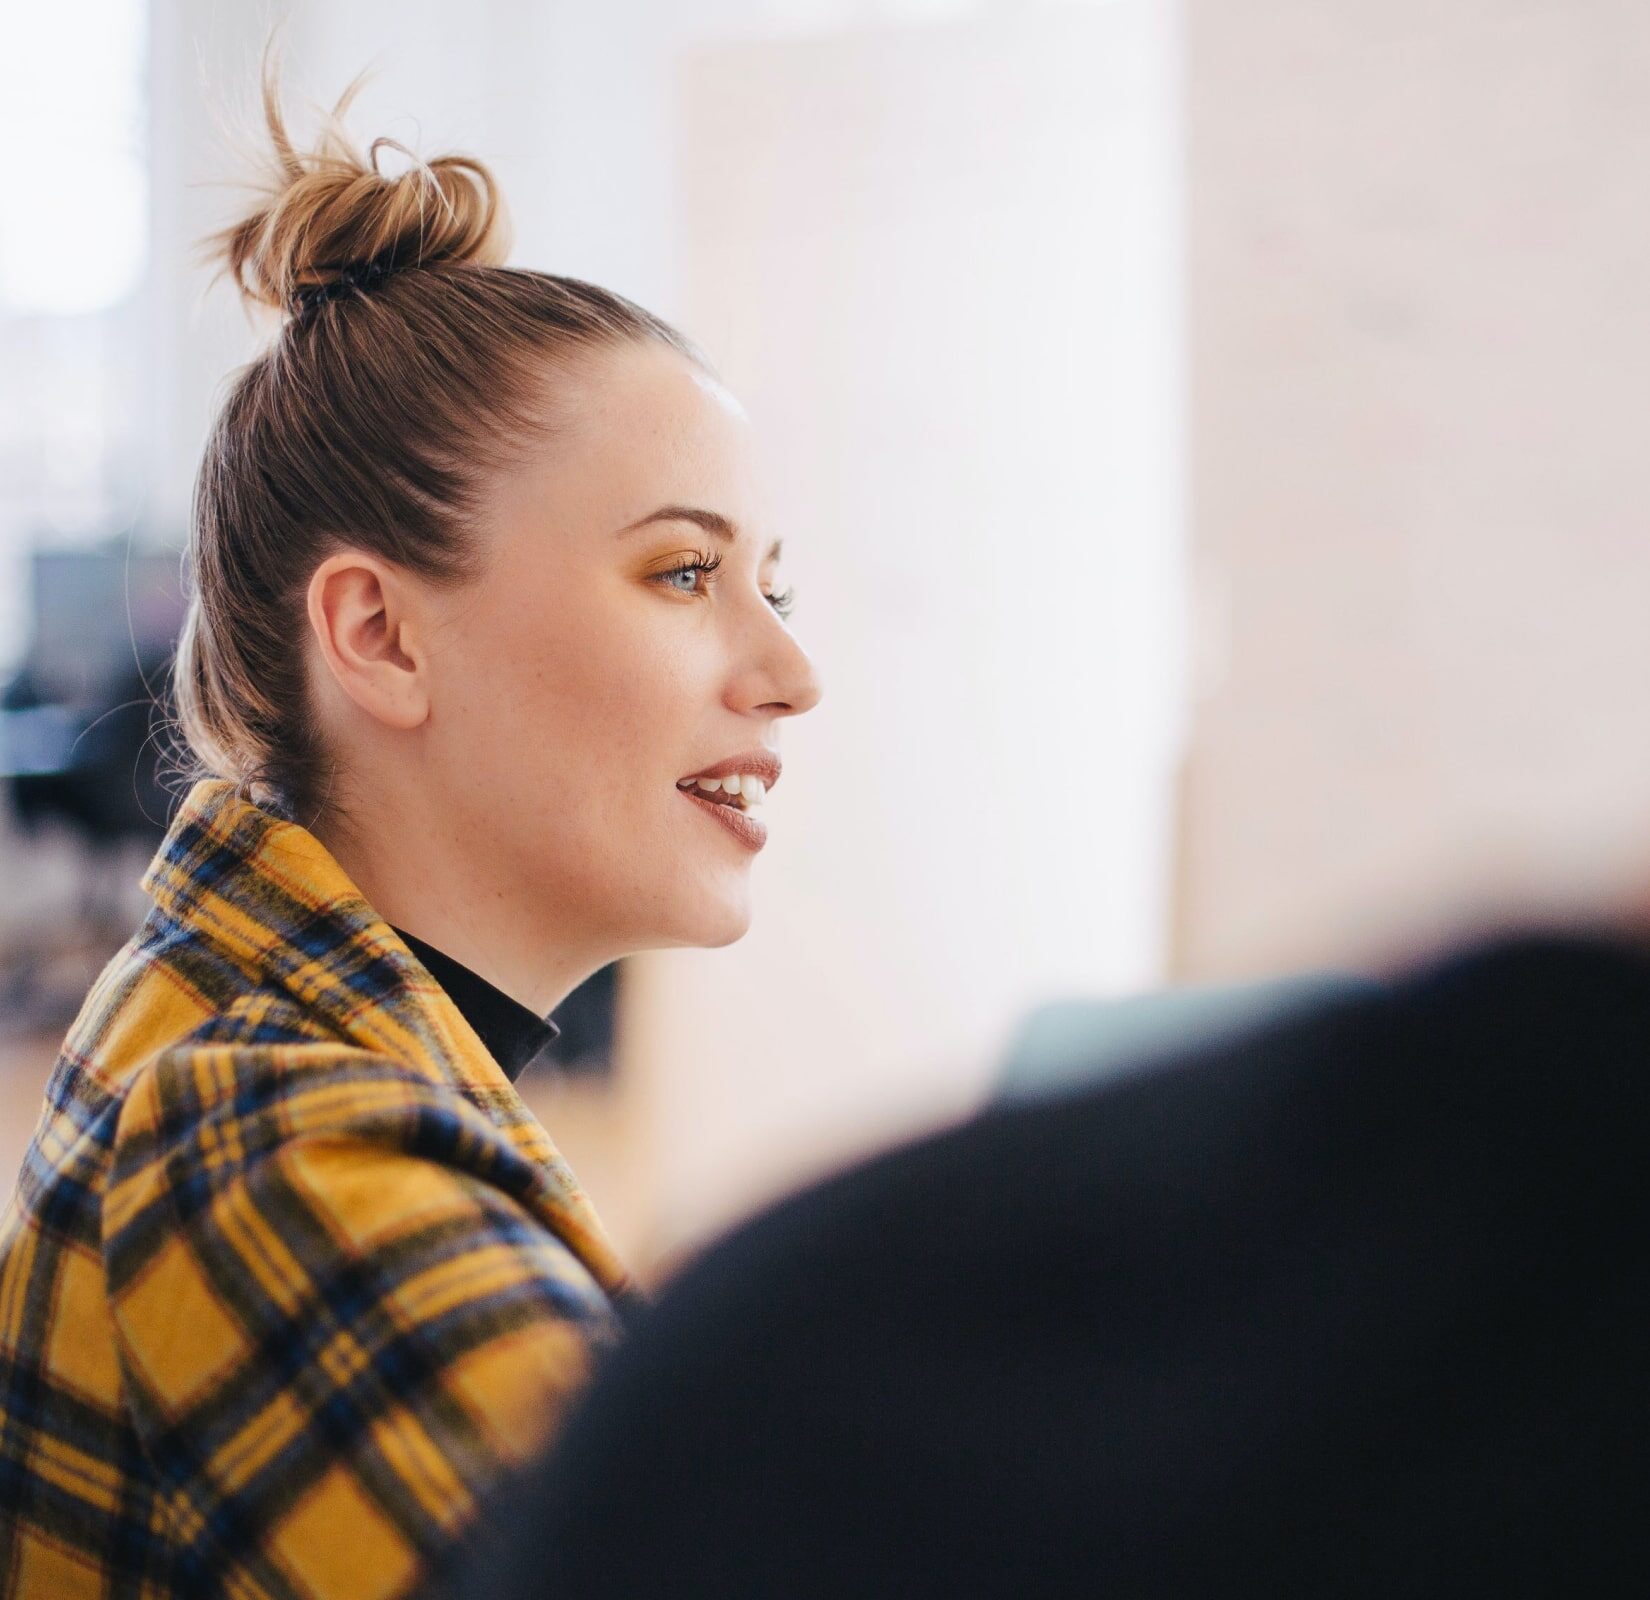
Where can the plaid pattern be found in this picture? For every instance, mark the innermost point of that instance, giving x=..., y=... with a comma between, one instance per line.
x=291, y=1275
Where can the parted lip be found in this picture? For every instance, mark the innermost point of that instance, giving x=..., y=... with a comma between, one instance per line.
x=763, y=762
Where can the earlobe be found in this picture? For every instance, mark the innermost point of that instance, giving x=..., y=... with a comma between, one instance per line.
x=365, y=639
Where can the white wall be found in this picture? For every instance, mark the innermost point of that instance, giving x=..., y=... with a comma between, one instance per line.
x=939, y=265
x=204, y=62
x=1420, y=312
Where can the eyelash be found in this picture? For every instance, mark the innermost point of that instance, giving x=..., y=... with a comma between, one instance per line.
x=703, y=561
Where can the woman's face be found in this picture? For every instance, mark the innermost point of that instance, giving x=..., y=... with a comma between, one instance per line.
x=597, y=662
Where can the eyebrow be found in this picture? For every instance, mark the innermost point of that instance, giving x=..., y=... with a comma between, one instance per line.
x=713, y=522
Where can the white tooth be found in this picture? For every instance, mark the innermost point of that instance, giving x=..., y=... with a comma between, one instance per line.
x=754, y=790
x=709, y=785
x=731, y=783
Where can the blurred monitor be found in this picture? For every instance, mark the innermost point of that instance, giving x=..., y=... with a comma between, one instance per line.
x=98, y=612
x=1072, y=1042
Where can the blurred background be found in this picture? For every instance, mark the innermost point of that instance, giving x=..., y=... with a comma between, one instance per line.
x=1208, y=437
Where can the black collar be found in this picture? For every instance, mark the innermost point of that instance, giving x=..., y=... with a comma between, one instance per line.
x=513, y=1033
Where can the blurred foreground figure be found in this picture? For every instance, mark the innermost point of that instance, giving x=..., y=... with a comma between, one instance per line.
x=1357, y=1305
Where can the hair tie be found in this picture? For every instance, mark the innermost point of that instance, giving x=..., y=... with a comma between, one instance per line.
x=362, y=275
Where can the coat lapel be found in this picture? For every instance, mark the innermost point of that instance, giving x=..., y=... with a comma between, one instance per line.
x=272, y=898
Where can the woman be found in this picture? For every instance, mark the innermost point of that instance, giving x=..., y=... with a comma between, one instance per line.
x=483, y=673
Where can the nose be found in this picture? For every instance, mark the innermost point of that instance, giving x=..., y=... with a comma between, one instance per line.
x=782, y=679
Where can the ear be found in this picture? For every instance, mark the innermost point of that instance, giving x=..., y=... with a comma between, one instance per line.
x=365, y=627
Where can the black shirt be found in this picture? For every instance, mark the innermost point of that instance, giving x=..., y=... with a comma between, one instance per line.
x=513, y=1033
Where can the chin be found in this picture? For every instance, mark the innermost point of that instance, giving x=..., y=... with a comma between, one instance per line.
x=726, y=930
x=715, y=921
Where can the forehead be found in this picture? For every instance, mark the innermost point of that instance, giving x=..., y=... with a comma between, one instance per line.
x=641, y=426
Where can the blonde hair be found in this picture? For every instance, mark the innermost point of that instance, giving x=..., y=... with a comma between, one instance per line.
x=411, y=364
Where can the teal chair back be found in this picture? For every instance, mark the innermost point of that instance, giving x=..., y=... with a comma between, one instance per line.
x=1072, y=1042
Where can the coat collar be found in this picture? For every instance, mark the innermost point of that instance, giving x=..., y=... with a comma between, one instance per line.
x=515, y=1035
x=267, y=893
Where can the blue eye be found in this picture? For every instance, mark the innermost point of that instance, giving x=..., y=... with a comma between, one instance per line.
x=702, y=565
x=685, y=578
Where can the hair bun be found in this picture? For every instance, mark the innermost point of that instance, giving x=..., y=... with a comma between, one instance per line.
x=327, y=219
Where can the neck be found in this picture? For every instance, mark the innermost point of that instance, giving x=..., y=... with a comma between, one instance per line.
x=417, y=876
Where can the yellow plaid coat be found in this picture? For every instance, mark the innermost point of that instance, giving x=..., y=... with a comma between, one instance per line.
x=291, y=1275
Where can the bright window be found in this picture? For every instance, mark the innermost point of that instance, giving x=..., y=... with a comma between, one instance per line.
x=74, y=230
x=74, y=245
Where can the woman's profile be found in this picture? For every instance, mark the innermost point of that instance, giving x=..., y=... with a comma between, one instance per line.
x=481, y=685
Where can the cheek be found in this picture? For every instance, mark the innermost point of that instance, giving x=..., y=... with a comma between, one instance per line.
x=607, y=690
x=563, y=749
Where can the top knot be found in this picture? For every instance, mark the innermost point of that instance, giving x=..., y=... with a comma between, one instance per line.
x=328, y=223
x=362, y=276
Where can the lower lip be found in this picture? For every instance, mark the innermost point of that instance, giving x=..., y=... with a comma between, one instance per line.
x=752, y=832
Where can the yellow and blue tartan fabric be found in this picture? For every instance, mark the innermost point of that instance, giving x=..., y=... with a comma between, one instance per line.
x=291, y=1276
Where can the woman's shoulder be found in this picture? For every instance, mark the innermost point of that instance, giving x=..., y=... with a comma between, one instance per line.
x=225, y=1102
x=324, y=1232
x=321, y=1150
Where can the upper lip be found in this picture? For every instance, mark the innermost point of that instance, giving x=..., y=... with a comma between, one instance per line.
x=764, y=763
